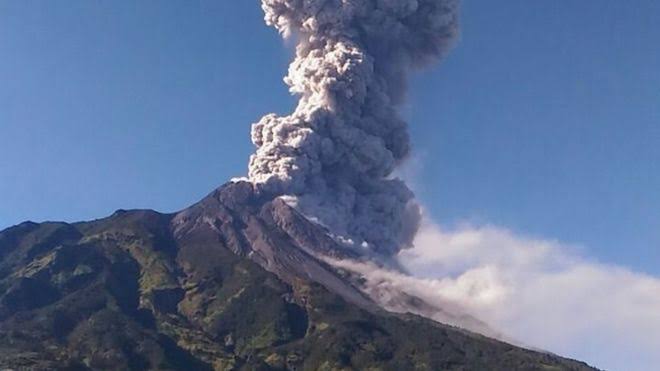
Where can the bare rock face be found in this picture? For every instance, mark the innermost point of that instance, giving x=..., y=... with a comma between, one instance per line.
x=270, y=233
x=232, y=283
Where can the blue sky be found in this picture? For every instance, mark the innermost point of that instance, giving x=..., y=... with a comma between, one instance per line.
x=545, y=119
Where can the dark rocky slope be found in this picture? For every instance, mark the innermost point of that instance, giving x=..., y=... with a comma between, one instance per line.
x=228, y=284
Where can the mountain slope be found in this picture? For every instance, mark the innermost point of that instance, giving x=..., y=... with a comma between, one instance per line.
x=231, y=283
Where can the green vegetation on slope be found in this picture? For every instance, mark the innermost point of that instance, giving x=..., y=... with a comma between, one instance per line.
x=122, y=293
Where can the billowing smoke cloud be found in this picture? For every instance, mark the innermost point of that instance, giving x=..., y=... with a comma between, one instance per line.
x=534, y=292
x=336, y=153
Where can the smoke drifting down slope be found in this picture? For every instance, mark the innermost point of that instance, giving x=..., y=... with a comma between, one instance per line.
x=334, y=156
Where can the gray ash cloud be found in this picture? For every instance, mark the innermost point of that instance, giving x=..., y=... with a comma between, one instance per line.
x=335, y=154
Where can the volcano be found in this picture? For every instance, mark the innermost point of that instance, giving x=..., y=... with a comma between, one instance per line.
x=235, y=282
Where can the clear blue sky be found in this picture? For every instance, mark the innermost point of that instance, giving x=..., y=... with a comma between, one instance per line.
x=545, y=119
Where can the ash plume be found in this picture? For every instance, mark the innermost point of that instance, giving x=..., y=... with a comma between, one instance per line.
x=334, y=156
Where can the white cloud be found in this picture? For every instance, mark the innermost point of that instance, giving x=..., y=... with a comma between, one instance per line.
x=541, y=293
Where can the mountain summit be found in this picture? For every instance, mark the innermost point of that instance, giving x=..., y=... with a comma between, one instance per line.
x=235, y=282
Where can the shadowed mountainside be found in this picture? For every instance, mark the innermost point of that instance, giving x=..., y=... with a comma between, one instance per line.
x=231, y=283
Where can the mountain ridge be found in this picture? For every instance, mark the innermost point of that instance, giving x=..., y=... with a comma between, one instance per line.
x=230, y=283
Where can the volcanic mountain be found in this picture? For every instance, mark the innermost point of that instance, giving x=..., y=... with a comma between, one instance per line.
x=235, y=282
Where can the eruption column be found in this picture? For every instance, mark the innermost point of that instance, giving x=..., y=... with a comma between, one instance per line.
x=334, y=156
